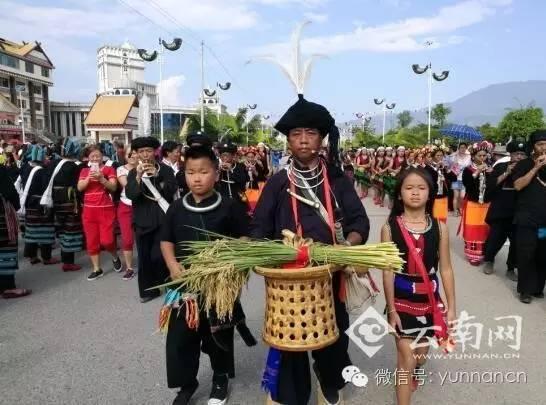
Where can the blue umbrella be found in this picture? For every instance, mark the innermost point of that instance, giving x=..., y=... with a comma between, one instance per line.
x=462, y=132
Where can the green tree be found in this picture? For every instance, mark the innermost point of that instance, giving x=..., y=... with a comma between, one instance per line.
x=211, y=126
x=520, y=123
x=490, y=133
x=404, y=119
x=440, y=113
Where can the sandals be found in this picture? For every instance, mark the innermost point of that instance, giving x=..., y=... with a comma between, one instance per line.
x=16, y=293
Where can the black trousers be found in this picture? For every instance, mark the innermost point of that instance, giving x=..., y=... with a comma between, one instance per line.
x=7, y=282
x=152, y=270
x=31, y=250
x=294, y=375
x=531, y=255
x=67, y=257
x=499, y=231
x=184, y=346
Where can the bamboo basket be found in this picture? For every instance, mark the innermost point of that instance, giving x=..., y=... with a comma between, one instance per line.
x=299, y=314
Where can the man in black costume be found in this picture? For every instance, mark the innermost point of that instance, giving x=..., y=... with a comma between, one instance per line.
x=151, y=187
x=530, y=219
x=233, y=175
x=288, y=201
x=501, y=193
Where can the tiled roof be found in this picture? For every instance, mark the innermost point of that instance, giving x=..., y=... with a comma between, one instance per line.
x=111, y=110
x=23, y=50
x=7, y=106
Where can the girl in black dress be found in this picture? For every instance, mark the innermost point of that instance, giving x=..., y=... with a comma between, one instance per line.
x=415, y=310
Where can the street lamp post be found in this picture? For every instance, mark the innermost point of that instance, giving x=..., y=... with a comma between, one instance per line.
x=206, y=92
x=251, y=107
x=20, y=90
x=441, y=77
x=385, y=107
x=150, y=57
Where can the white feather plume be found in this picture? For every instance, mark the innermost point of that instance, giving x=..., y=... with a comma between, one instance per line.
x=298, y=71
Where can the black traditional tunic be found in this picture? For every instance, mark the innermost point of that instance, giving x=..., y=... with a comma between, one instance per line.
x=213, y=337
x=433, y=171
x=147, y=220
x=500, y=216
x=39, y=226
x=232, y=183
x=9, y=203
x=274, y=214
x=530, y=217
x=68, y=223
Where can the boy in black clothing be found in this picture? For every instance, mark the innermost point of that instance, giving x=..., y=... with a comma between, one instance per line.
x=204, y=208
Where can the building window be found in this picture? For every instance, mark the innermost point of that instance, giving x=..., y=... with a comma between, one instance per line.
x=38, y=106
x=38, y=90
x=22, y=104
x=9, y=61
x=39, y=124
x=45, y=72
x=29, y=67
x=4, y=82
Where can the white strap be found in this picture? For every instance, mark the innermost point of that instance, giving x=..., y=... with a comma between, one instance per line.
x=23, y=197
x=47, y=197
x=163, y=204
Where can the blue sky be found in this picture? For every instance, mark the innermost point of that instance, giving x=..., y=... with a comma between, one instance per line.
x=370, y=44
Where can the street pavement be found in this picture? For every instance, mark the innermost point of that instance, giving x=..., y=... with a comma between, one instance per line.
x=79, y=342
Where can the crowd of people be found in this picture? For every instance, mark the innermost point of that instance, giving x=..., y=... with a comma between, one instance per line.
x=82, y=197
x=497, y=193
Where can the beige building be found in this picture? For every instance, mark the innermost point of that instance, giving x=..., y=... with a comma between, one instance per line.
x=112, y=118
x=25, y=79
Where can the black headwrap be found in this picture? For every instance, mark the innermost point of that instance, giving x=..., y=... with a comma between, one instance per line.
x=516, y=145
x=198, y=138
x=305, y=114
x=227, y=147
x=537, y=136
x=144, y=142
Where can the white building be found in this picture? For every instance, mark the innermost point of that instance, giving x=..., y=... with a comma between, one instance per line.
x=120, y=69
x=25, y=79
x=67, y=119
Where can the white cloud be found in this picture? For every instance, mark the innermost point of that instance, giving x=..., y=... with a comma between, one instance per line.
x=203, y=15
x=171, y=90
x=305, y=3
x=318, y=18
x=396, y=3
x=61, y=22
x=401, y=36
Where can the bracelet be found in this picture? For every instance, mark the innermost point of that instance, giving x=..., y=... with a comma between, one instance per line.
x=391, y=311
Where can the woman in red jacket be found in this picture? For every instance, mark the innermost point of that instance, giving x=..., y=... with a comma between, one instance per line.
x=96, y=182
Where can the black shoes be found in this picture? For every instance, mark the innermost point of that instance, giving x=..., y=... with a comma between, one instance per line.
x=526, y=298
x=148, y=298
x=219, y=391
x=95, y=275
x=538, y=295
x=117, y=265
x=511, y=274
x=183, y=397
x=489, y=268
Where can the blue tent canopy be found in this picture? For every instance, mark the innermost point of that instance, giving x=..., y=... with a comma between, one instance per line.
x=462, y=132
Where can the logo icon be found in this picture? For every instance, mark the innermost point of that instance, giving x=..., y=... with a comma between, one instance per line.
x=353, y=375
x=368, y=330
